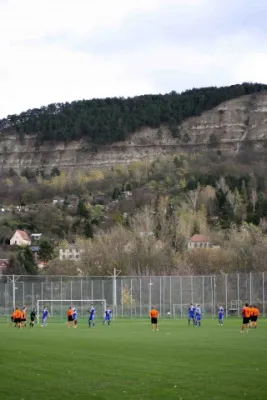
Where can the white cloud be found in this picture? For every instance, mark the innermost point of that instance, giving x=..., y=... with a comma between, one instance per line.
x=48, y=49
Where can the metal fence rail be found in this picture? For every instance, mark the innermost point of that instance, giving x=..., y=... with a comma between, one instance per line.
x=132, y=296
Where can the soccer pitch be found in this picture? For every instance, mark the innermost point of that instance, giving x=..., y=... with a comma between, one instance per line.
x=128, y=361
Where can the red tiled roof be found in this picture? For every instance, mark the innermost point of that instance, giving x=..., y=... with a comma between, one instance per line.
x=23, y=234
x=199, y=239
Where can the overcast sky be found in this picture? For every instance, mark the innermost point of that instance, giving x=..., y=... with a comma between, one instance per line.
x=64, y=50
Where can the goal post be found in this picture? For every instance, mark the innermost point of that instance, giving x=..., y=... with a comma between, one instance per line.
x=59, y=308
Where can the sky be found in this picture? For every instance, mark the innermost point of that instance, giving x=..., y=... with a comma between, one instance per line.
x=65, y=50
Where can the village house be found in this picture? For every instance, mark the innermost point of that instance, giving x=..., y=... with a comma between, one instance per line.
x=20, y=238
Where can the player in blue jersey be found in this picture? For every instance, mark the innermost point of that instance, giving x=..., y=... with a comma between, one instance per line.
x=45, y=316
x=220, y=315
x=91, y=320
x=198, y=316
x=75, y=317
x=107, y=316
x=191, y=314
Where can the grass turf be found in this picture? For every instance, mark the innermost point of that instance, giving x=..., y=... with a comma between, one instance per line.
x=128, y=361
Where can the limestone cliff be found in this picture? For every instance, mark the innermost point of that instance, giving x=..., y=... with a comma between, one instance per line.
x=237, y=124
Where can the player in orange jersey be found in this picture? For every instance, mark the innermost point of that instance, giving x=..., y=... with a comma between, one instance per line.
x=246, y=317
x=12, y=318
x=154, y=318
x=23, y=317
x=254, y=316
x=70, y=317
x=17, y=318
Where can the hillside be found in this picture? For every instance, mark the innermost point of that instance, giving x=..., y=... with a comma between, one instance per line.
x=164, y=124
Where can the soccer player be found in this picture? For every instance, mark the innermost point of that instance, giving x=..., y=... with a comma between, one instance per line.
x=220, y=315
x=246, y=317
x=154, y=318
x=32, y=318
x=91, y=320
x=45, y=316
x=191, y=314
x=254, y=316
x=70, y=317
x=198, y=316
x=12, y=318
x=17, y=318
x=23, y=317
x=107, y=316
x=75, y=317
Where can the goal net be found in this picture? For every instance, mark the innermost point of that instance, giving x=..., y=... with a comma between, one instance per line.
x=58, y=309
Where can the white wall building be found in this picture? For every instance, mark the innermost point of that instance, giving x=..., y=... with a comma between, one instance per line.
x=20, y=238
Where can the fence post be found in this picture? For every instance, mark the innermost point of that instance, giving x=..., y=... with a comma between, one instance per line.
x=181, y=295
x=170, y=293
x=226, y=293
x=263, y=294
x=32, y=295
x=238, y=294
x=42, y=291
x=23, y=302
x=122, y=297
x=61, y=296
x=212, y=295
x=51, y=292
x=192, y=295
x=140, y=296
x=203, y=294
x=160, y=298
x=81, y=296
x=250, y=288
x=215, y=297
x=131, y=298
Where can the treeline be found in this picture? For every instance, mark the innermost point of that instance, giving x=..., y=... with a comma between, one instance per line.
x=109, y=120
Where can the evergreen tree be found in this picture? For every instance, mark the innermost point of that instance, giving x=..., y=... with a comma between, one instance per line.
x=46, y=250
x=88, y=230
x=82, y=210
x=27, y=261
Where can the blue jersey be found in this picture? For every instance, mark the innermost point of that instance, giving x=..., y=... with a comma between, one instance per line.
x=191, y=312
x=92, y=314
x=74, y=315
x=198, y=313
x=220, y=312
x=108, y=314
x=45, y=314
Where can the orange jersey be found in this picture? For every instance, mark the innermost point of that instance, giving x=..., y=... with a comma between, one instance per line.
x=23, y=314
x=13, y=315
x=17, y=314
x=246, y=312
x=69, y=313
x=153, y=313
x=255, y=312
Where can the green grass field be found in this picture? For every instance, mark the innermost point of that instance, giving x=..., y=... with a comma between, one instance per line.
x=128, y=361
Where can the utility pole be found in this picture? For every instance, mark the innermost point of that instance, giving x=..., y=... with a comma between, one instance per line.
x=114, y=275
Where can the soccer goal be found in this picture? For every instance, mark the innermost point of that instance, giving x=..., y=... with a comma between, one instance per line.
x=179, y=310
x=58, y=308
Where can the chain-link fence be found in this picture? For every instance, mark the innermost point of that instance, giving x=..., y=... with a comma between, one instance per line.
x=132, y=296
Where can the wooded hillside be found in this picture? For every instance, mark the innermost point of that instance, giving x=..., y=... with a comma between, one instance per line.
x=108, y=120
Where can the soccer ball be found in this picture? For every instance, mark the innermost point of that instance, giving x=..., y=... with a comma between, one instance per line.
x=168, y=313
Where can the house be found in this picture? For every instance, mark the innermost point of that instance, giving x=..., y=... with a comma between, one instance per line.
x=199, y=241
x=36, y=237
x=3, y=265
x=70, y=253
x=20, y=238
